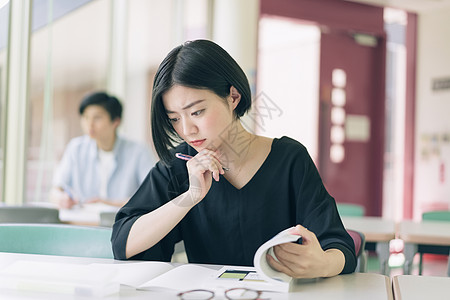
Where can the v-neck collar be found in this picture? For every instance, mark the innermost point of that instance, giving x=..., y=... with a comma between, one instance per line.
x=257, y=173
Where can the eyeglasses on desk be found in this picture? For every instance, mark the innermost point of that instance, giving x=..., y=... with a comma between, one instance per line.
x=231, y=294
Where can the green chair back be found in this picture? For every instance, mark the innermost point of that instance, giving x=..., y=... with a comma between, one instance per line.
x=437, y=215
x=350, y=210
x=56, y=239
x=28, y=214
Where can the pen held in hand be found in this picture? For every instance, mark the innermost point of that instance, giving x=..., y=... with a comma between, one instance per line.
x=188, y=157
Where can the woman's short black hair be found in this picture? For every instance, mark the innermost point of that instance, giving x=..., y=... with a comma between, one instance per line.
x=110, y=103
x=199, y=64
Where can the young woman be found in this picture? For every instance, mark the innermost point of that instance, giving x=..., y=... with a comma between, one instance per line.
x=238, y=190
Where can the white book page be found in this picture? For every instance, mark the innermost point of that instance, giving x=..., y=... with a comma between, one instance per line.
x=136, y=273
x=260, y=261
x=65, y=278
x=57, y=272
x=182, y=278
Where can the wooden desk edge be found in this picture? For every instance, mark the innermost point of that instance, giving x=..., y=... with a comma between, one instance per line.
x=379, y=237
x=425, y=240
x=396, y=289
x=390, y=294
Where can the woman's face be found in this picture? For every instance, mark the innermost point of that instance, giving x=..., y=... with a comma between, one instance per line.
x=96, y=122
x=200, y=117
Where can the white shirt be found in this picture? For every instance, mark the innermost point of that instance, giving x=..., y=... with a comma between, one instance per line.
x=80, y=170
x=107, y=164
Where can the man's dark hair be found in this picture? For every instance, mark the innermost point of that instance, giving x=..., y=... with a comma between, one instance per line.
x=110, y=103
x=199, y=64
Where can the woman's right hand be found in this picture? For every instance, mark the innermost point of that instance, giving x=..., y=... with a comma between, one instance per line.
x=202, y=168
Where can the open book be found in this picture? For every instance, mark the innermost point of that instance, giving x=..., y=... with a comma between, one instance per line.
x=160, y=275
x=262, y=266
x=100, y=279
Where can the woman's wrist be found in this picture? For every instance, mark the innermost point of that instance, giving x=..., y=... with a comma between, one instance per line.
x=188, y=199
x=334, y=262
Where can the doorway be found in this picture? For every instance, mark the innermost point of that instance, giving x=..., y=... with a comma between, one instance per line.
x=351, y=117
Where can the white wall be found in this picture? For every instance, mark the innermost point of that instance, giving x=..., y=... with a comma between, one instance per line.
x=432, y=144
x=288, y=81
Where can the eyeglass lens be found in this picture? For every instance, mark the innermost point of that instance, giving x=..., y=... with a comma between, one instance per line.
x=231, y=294
x=197, y=295
x=241, y=294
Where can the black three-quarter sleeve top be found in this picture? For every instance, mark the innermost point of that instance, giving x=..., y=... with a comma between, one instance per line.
x=229, y=224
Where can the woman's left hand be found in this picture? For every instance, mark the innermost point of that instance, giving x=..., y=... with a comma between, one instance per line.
x=307, y=260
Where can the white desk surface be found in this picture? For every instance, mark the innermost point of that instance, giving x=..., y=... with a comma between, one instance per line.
x=343, y=287
x=88, y=214
x=422, y=233
x=376, y=229
x=414, y=287
x=425, y=233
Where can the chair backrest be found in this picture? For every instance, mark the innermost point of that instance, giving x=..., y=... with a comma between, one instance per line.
x=28, y=214
x=359, y=239
x=361, y=254
x=350, y=210
x=436, y=215
x=56, y=239
x=107, y=218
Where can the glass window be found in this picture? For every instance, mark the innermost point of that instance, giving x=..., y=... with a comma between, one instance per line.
x=68, y=58
x=4, y=22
